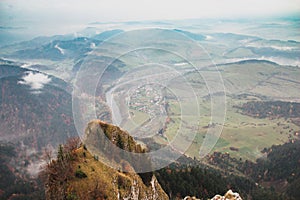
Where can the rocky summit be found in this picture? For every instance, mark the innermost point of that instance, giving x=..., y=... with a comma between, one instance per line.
x=77, y=174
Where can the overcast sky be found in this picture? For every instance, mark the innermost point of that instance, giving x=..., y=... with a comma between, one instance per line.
x=50, y=17
x=64, y=11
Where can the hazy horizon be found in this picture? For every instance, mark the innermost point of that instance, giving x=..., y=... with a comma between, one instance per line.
x=36, y=17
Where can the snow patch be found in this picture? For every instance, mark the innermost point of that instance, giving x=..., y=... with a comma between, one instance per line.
x=208, y=37
x=26, y=65
x=59, y=49
x=180, y=64
x=92, y=45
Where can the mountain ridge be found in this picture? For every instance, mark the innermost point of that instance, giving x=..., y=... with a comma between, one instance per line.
x=76, y=173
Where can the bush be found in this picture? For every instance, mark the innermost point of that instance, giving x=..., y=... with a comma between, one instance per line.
x=124, y=183
x=80, y=174
x=71, y=196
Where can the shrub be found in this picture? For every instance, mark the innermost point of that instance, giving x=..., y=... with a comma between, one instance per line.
x=71, y=196
x=80, y=174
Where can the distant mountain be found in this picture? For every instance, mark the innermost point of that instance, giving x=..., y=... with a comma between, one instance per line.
x=34, y=43
x=107, y=34
x=234, y=37
x=246, y=46
x=273, y=52
x=193, y=36
x=250, y=61
x=58, y=50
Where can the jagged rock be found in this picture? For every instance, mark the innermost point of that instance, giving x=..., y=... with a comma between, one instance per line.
x=228, y=196
x=190, y=198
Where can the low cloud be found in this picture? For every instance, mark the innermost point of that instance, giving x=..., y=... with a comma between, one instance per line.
x=276, y=47
x=35, y=80
x=35, y=167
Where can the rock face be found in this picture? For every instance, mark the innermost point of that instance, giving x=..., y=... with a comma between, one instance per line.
x=139, y=191
x=89, y=178
x=228, y=196
x=190, y=198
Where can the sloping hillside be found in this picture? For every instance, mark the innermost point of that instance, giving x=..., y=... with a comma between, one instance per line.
x=35, y=107
x=77, y=174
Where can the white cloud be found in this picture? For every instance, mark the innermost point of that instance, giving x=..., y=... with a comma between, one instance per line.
x=35, y=80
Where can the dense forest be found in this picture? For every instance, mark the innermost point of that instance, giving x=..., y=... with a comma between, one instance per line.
x=274, y=176
x=271, y=109
x=205, y=181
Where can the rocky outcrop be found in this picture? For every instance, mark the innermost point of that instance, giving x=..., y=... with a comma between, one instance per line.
x=190, y=198
x=139, y=191
x=78, y=174
x=228, y=196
